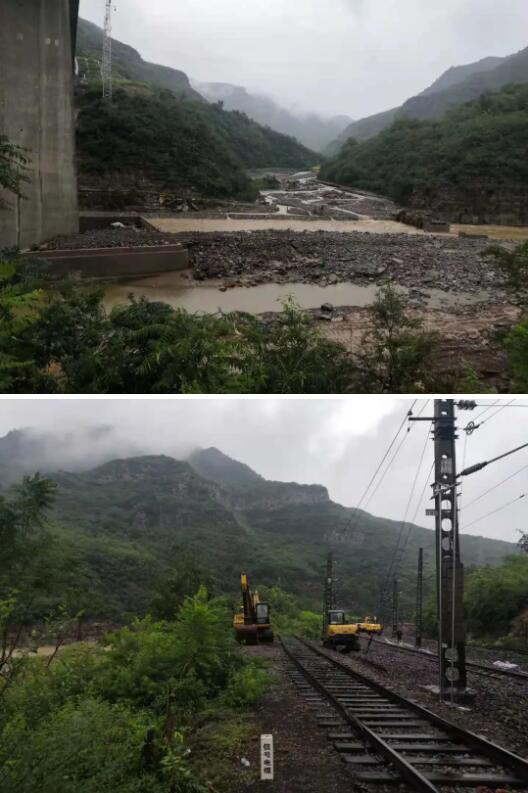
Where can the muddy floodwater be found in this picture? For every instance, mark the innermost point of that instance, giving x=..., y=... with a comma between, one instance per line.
x=179, y=291
x=270, y=223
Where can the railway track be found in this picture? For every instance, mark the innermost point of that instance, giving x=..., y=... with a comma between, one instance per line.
x=471, y=666
x=386, y=738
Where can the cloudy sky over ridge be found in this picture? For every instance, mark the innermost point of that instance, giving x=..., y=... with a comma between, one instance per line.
x=337, y=443
x=353, y=57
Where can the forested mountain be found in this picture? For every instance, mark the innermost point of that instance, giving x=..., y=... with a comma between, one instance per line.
x=455, y=87
x=312, y=130
x=159, y=131
x=127, y=63
x=470, y=166
x=124, y=525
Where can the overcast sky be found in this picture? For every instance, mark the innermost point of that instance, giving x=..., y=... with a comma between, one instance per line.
x=336, y=443
x=355, y=57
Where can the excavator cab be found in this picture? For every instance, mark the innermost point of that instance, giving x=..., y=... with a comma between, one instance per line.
x=252, y=623
x=340, y=633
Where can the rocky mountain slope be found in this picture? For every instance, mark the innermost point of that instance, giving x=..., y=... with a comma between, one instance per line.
x=314, y=131
x=122, y=526
x=456, y=86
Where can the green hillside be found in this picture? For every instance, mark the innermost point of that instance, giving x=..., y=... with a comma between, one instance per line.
x=125, y=525
x=176, y=144
x=455, y=87
x=159, y=131
x=511, y=70
x=474, y=158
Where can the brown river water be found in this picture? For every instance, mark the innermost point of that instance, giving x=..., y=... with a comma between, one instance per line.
x=269, y=223
x=179, y=291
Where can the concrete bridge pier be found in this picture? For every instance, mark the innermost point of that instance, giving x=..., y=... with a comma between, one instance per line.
x=37, y=112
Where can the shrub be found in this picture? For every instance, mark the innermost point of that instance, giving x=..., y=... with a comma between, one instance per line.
x=247, y=686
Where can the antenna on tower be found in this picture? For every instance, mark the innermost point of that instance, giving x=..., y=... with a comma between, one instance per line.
x=106, y=71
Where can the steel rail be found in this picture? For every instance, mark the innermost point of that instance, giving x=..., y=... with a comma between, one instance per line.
x=503, y=756
x=410, y=774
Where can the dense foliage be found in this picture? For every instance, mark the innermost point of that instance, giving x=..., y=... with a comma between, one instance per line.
x=495, y=597
x=122, y=719
x=482, y=141
x=118, y=718
x=151, y=135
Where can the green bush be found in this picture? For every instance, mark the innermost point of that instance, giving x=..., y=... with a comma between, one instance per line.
x=111, y=719
x=87, y=745
x=495, y=596
x=247, y=686
x=181, y=664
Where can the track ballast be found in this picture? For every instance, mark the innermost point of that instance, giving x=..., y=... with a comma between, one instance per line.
x=387, y=738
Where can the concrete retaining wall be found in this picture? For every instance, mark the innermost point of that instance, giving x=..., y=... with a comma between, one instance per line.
x=110, y=263
x=36, y=112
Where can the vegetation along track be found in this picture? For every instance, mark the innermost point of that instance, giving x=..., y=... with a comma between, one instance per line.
x=387, y=738
x=471, y=666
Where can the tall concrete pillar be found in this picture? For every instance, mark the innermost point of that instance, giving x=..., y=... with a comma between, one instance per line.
x=36, y=112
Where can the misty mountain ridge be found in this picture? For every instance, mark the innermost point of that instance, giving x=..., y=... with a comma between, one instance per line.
x=456, y=86
x=126, y=522
x=311, y=129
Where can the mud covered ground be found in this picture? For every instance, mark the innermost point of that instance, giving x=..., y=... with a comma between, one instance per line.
x=466, y=337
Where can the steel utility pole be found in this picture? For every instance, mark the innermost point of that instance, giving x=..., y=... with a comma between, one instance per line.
x=395, y=615
x=328, y=599
x=419, y=601
x=449, y=568
x=106, y=71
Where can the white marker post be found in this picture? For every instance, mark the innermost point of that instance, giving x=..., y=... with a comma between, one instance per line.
x=266, y=757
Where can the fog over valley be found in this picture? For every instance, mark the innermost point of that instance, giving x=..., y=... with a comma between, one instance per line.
x=350, y=57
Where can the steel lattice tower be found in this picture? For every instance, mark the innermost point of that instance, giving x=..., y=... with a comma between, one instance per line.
x=106, y=71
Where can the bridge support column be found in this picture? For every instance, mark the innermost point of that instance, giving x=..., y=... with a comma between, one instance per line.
x=36, y=112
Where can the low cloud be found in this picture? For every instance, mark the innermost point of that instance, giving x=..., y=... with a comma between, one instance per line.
x=334, y=442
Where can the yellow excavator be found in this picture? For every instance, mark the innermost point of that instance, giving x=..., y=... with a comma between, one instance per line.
x=340, y=633
x=252, y=621
x=370, y=625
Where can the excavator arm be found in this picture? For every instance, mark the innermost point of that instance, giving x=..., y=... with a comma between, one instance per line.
x=252, y=623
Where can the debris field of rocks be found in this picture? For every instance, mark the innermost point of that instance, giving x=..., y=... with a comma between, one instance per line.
x=418, y=262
